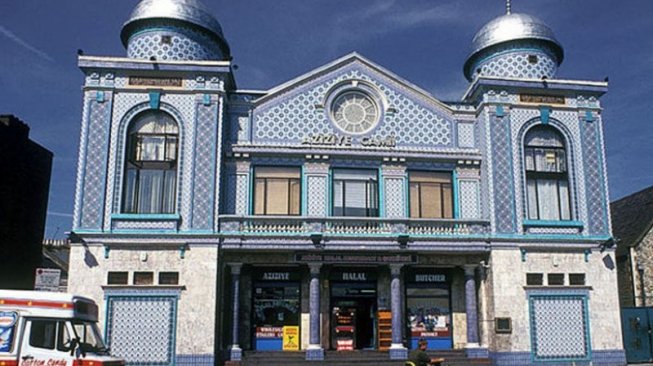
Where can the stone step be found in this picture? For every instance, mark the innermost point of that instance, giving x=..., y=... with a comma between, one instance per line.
x=357, y=358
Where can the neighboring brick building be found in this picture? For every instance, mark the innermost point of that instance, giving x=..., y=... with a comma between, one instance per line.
x=25, y=168
x=632, y=223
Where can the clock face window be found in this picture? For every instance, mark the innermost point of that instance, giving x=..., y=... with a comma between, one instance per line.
x=355, y=112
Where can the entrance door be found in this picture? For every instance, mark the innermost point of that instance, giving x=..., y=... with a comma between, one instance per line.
x=353, y=315
x=637, y=326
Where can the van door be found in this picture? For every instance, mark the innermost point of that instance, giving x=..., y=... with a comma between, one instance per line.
x=46, y=342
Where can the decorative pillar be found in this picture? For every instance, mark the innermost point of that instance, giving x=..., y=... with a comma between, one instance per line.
x=397, y=349
x=236, y=351
x=315, y=350
x=472, y=349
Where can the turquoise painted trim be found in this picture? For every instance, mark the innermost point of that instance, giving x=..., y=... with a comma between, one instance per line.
x=587, y=255
x=550, y=236
x=589, y=117
x=512, y=181
x=499, y=111
x=554, y=223
x=329, y=198
x=303, y=188
x=588, y=357
x=206, y=99
x=106, y=252
x=604, y=204
x=99, y=96
x=523, y=255
x=456, y=194
x=155, y=99
x=407, y=194
x=251, y=178
x=545, y=113
x=145, y=217
x=381, y=179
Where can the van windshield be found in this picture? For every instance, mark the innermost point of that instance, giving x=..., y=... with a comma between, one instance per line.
x=89, y=337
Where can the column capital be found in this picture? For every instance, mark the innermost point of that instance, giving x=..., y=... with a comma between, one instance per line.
x=235, y=268
x=395, y=269
x=315, y=268
x=470, y=269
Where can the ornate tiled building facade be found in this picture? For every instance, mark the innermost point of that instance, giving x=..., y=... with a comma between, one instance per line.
x=347, y=208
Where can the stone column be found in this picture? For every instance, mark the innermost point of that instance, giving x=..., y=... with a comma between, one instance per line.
x=315, y=350
x=472, y=349
x=236, y=351
x=397, y=349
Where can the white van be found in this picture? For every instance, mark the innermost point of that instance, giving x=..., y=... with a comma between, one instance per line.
x=50, y=329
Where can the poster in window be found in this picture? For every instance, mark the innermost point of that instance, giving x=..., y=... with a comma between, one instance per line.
x=7, y=322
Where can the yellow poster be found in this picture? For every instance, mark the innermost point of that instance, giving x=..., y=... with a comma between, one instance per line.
x=291, y=338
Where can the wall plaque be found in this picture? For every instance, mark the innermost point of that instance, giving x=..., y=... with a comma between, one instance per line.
x=355, y=258
x=546, y=99
x=154, y=81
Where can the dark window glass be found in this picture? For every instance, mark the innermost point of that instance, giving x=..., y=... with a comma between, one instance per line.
x=276, y=304
x=431, y=195
x=577, y=279
x=64, y=338
x=534, y=279
x=355, y=193
x=151, y=164
x=117, y=278
x=277, y=191
x=547, y=184
x=503, y=325
x=43, y=333
x=143, y=278
x=556, y=279
x=168, y=278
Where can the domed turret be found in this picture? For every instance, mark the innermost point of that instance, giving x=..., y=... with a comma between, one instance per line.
x=514, y=45
x=174, y=30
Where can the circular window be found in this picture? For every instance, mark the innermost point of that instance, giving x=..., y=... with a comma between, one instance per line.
x=355, y=112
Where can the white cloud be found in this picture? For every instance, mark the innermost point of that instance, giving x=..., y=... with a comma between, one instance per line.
x=7, y=33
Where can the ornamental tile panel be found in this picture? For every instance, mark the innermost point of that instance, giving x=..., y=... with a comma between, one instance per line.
x=317, y=196
x=593, y=164
x=504, y=206
x=95, y=168
x=141, y=329
x=470, y=207
x=301, y=112
x=466, y=135
x=203, y=178
x=559, y=327
x=242, y=194
x=395, y=203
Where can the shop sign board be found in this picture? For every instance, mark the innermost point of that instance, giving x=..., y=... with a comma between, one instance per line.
x=356, y=258
x=269, y=332
x=277, y=275
x=291, y=338
x=47, y=279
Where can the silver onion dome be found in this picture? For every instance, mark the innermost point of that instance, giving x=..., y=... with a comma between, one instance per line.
x=513, y=27
x=192, y=12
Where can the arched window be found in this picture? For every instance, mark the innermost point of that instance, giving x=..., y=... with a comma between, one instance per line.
x=151, y=164
x=547, y=181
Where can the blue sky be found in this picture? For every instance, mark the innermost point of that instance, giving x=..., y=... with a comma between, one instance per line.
x=423, y=41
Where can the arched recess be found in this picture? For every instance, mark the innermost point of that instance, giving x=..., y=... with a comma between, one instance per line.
x=149, y=161
x=547, y=172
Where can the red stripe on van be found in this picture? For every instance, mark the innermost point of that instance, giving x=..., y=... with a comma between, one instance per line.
x=37, y=303
x=8, y=363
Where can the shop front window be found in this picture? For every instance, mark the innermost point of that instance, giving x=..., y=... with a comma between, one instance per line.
x=276, y=305
x=428, y=307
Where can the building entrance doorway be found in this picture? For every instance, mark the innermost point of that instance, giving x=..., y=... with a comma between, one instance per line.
x=353, y=315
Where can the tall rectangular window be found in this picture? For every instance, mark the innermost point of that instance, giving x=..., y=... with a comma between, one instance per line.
x=431, y=195
x=277, y=191
x=355, y=193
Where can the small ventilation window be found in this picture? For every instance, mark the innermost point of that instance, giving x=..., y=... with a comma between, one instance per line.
x=117, y=278
x=166, y=39
x=534, y=279
x=168, y=278
x=143, y=278
x=577, y=279
x=503, y=325
x=532, y=59
x=556, y=279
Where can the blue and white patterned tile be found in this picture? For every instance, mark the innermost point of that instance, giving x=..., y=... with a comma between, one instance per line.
x=559, y=328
